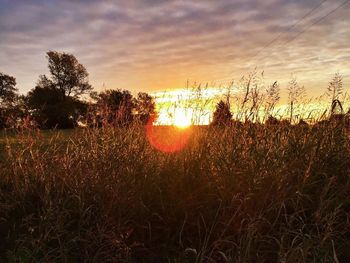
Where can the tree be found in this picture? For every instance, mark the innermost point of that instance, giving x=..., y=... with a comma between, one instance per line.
x=51, y=110
x=8, y=98
x=222, y=115
x=54, y=102
x=7, y=89
x=67, y=75
x=144, y=107
x=116, y=106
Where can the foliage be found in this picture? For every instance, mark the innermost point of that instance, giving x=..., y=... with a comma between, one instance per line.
x=144, y=107
x=67, y=75
x=115, y=106
x=119, y=107
x=7, y=88
x=8, y=96
x=54, y=102
x=51, y=109
x=222, y=115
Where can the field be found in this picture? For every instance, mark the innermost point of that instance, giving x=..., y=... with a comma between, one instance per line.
x=244, y=193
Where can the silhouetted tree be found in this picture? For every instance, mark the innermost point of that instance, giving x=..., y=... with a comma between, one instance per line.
x=51, y=110
x=222, y=115
x=144, y=107
x=54, y=102
x=21, y=112
x=66, y=75
x=8, y=97
x=8, y=89
x=115, y=106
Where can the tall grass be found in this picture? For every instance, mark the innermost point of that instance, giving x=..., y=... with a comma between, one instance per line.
x=247, y=192
x=244, y=193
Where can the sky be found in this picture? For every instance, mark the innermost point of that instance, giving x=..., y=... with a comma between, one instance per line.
x=155, y=45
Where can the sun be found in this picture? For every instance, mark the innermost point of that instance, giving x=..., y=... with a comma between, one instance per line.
x=182, y=118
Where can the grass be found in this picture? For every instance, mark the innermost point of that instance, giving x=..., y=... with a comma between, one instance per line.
x=245, y=193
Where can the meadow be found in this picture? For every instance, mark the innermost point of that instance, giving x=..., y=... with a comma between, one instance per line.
x=242, y=193
x=178, y=131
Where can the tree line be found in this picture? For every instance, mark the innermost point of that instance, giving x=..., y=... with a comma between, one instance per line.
x=65, y=97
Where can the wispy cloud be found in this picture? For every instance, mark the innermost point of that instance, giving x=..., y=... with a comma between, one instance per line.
x=158, y=44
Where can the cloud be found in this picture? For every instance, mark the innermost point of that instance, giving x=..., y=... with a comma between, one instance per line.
x=157, y=44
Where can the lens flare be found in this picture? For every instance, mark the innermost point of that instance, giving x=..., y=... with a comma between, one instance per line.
x=168, y=139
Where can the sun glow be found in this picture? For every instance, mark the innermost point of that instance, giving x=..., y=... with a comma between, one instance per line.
x=186, y=107
x=182, y=118
x=167, y=139
x=183, y=107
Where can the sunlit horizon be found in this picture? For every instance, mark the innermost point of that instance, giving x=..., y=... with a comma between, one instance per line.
x=186, y=107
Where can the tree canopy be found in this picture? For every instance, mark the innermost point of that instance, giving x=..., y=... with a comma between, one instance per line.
x=222, y=115
x=50, y=110
x=55, y=100
x=116, y=106
x=144, y=107
x=8, y=95
x=8, y=88
x=66, y=75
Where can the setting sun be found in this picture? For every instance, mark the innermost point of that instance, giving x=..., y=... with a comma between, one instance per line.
x=175, y=131
x=182, y=118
